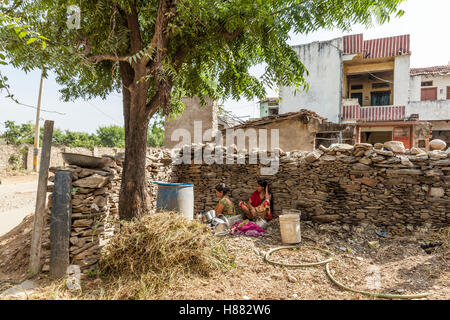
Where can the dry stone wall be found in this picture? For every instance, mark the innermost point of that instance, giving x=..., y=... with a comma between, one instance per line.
x=400, y=190
x=387, y=185
x=95, y=204
x=25, y=152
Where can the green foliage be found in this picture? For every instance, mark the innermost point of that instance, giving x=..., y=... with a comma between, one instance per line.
x=222, y=40
x=15, y=162
x=80, y=140
x=112, y=136
x=18, y=134
x=14, y=31
x=155, y=134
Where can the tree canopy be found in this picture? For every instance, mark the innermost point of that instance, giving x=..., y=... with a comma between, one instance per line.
x=208, y=45
x=157, y=51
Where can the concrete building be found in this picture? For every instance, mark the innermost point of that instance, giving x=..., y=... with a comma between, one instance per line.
x=361, y=82
x=197, y=123
x=302, y=130
x=269, y=107
x=429, y=93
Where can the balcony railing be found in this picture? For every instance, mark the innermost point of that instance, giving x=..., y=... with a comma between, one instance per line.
x=373, y=113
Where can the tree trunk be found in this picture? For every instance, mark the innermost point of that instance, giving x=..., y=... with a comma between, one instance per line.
x=134, y=200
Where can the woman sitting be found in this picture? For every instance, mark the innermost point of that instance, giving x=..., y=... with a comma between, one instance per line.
x=225, y=205
x=260, y=204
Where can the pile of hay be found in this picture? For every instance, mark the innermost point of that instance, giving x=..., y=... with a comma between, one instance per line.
x=159, y=250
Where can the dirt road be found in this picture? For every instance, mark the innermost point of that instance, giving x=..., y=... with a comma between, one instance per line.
x=17, y=200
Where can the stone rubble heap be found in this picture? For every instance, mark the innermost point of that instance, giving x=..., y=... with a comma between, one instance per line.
x=386, y=185
x=95, y=200
x=159, y=168
x=95, y=207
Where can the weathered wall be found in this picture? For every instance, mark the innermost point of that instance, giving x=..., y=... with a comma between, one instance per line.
x=287, y=129
x=401, y=80
x=194, y=111
x=6, y=151
x=439, y=81
x=441, y=130
x=342, y=187
x=55, y=156
x=430, y=110
x=324, y=62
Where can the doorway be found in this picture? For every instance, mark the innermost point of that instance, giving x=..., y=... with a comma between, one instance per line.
x=373, y=137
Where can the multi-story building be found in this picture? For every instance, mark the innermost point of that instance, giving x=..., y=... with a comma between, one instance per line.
x=366, y=82
x=268, y=107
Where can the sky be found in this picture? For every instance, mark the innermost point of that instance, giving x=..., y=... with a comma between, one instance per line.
x=427, y=22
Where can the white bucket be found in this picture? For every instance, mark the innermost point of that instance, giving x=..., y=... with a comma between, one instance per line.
x=290, y=228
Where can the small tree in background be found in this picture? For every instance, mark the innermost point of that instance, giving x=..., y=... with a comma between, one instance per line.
x=155, y=133
x=18, y=134
x=112, y=136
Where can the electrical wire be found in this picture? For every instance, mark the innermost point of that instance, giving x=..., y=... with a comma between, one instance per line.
x=379, y=78
x=101, y=111
x=42, y=110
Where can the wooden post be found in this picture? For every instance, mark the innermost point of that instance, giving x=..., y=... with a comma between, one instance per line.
x=38, y=223
x=60, y=223
x=36, y=129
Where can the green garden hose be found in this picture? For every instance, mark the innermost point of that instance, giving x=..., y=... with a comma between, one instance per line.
x=327, y=270
x=312, y=264
x=374, y=294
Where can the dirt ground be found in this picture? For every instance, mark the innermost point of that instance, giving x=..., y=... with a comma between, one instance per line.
x=17, y=199
x=398, y=266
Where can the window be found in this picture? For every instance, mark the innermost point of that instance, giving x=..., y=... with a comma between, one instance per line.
x=422, y=144
x=273, y=111
x=380, y=98
x=380, y=85
x=400, y=132
x=448, y=92
x=427, y=83
x=357, y=87
x=427, y=94
x=359, y=96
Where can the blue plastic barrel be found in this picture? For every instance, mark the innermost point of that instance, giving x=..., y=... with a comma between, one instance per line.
x=177, y=197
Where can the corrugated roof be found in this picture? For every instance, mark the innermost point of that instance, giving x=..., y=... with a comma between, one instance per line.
x=436, y=70
x=279, y=117
x=377, y=48
x=271, y=99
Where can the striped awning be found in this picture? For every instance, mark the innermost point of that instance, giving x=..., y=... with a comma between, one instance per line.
x=377, y=48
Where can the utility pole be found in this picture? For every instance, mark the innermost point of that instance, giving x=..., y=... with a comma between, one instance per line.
x=36, y=130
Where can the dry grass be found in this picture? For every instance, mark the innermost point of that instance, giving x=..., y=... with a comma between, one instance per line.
x=150, y=260
x=442, y=235
x=157, y=252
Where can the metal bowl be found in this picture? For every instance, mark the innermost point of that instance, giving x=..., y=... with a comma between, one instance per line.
x=84, y=160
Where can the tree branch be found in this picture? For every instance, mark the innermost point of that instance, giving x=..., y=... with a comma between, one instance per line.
x=101, y=57
x=133, y=26
x=231, y=35
x=158, y=44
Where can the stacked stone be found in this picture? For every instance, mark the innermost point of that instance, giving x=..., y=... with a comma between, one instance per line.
x=386, y=185
x=159, y=168
x=94, y=213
